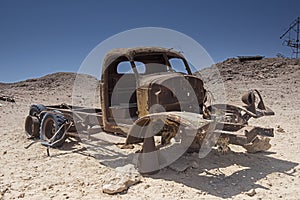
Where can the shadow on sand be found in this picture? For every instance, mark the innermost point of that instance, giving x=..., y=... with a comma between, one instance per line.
x=253, y=167
x=248, y=168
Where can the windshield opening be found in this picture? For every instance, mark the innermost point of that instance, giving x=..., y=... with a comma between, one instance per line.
x=159, y=63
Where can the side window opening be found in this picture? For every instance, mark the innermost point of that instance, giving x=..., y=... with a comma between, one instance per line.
x=125, y=67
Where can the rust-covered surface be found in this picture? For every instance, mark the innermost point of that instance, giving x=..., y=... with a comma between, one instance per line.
x=172, y=120
x=127, y=96
x=115, y=54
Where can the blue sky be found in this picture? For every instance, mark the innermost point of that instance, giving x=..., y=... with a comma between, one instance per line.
x=41, y=37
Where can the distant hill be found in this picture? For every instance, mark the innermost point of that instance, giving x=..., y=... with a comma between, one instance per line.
x=234, y=69
x=55, y=80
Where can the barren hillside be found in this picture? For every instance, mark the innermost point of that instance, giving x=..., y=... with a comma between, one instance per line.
x=234, y=69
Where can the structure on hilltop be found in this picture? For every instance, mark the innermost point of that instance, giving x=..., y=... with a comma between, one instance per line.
x=291, y=37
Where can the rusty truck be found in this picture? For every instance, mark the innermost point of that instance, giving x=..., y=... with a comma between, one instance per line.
x=150, y=96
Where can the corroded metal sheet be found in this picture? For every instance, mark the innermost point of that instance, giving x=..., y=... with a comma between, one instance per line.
x=173, y=120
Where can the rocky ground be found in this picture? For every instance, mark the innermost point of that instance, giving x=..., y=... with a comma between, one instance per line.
x=73, y=172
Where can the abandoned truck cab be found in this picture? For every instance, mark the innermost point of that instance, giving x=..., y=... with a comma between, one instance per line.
x=138, y=81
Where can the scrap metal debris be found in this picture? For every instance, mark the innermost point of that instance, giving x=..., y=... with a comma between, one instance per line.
x=246, y=58
x=7, y=98
x=251, y=193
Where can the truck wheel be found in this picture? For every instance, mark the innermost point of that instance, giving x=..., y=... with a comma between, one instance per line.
x=32, y=127
x=51, y=123
x=35, y=110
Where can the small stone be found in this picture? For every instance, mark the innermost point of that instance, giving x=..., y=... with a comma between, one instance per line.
x=5, y=152
x=81, y=183
x=270, y=184
x=50, y=186
x=22, y=195
x=113, y=188
x=3, y=192
x=251, y=192
x=146, y=187
x=280, y=130
x=195, y=165
x=292, y=171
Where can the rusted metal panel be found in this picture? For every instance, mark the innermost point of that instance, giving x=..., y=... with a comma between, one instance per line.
x=7, y=98
x=188, y=120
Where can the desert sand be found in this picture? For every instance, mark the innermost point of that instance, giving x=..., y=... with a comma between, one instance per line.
x=73, y=172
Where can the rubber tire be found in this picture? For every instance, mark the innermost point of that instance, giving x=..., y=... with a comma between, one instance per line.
x=52, y=120
x=32, y=127
x=35, y=110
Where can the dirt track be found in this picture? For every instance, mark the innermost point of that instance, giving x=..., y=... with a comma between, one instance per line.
x=71, y=173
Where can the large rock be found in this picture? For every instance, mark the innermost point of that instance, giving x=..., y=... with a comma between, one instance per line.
x=121, y=179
